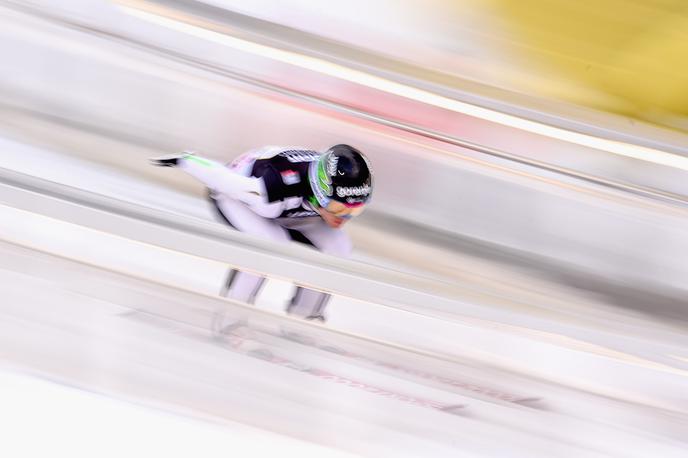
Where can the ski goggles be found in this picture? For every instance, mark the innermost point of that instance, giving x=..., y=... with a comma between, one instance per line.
x=343, y=210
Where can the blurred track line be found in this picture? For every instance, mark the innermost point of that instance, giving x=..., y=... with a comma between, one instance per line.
x=219, y=70
x=174, y=19
x=178, y=306
x=161, y=145
x=142, y=297
x=212, y=241
x=355, y=280
x=679, y=209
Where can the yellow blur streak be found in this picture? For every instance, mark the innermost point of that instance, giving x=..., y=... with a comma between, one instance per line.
x=419, y=95
x=636, y=50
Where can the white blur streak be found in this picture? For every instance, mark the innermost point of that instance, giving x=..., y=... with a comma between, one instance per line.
x=41, y=418
x=419, y=95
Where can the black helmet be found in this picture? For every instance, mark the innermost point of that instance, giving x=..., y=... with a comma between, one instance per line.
x=343, y=174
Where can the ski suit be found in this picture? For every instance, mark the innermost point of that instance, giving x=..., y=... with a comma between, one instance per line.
x=266, y=193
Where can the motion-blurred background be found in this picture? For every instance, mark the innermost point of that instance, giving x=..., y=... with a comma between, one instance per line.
x=518, y=285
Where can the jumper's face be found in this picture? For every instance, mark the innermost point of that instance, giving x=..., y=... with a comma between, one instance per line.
x=337, y=213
